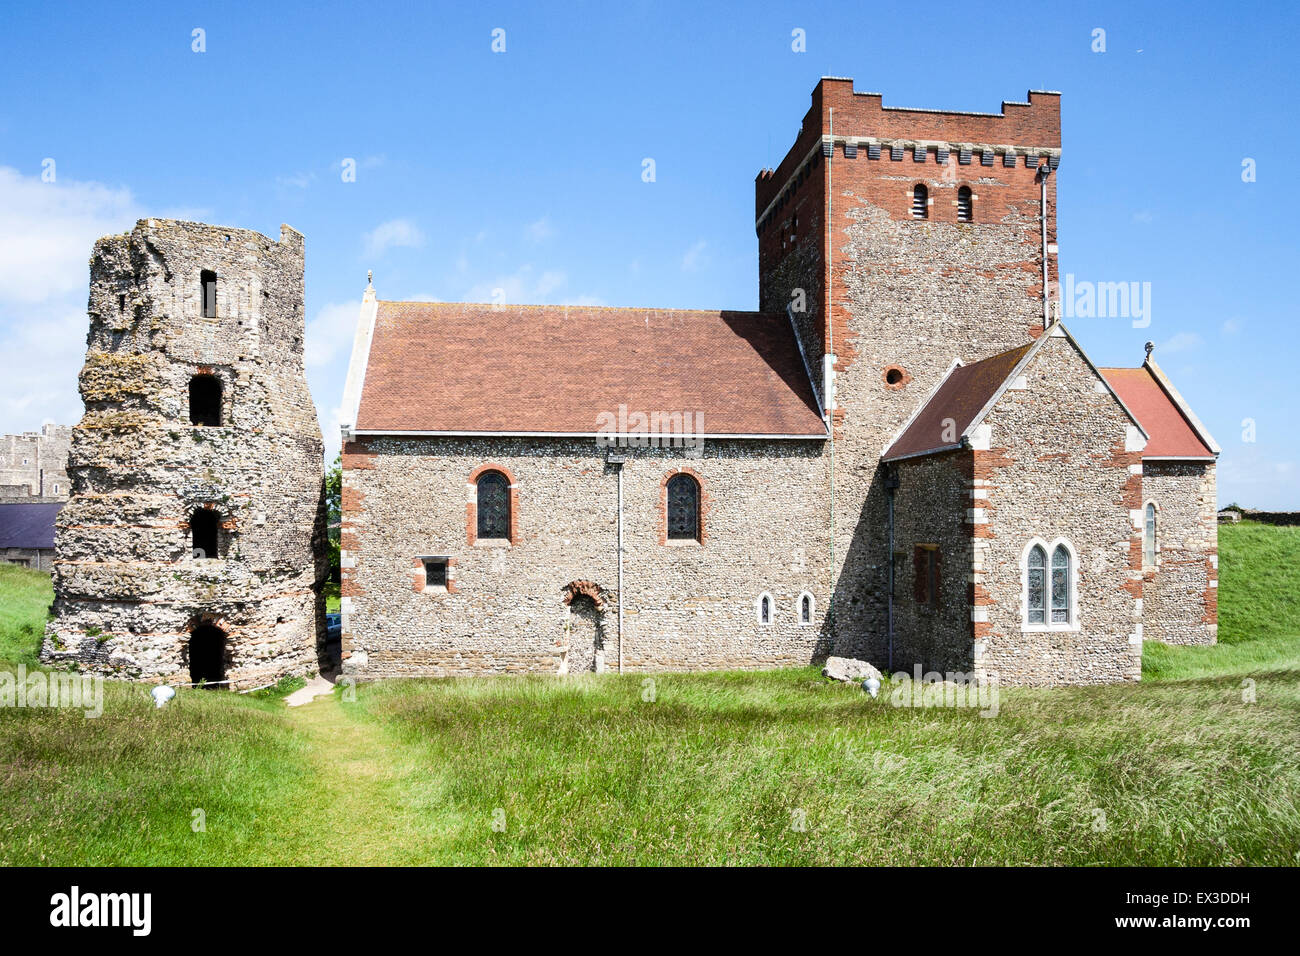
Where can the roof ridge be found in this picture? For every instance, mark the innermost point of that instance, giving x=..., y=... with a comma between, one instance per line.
x=505, y=306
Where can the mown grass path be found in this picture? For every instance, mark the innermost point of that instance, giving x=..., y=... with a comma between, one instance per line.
x=366, y=806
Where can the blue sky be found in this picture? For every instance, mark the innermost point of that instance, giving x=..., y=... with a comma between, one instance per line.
x=522, y=170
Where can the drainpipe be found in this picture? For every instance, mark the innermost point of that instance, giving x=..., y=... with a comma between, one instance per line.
x=891, y=486
x=619, y=465
x=1043, y=172
x=828, y=367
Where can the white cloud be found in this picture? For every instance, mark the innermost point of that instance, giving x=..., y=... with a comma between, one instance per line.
x=1182, y=342
x=395, y=233
x=695, y=257
x=1231, y=326
x=47, y=231
x=1143, y=216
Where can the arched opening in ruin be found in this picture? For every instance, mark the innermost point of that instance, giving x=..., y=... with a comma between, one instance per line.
x=205, y=400
x=584, y=629
x=207, y=654
x=205, y=533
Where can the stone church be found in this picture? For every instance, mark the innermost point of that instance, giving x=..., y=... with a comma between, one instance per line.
x=903, y=456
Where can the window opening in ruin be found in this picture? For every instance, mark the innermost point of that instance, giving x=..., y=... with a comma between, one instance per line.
x=205, y=533
x=205, y=400
x=208, y=281
x=207, y=653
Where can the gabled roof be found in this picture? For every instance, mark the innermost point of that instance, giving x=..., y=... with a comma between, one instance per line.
x=28, y=525
x=960, y=397
x=440, y=367
x=969, y=392
x=1175, y=432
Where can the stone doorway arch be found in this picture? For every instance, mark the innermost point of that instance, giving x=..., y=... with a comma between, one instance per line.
x=582, y=646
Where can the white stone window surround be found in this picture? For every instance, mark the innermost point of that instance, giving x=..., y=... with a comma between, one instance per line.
x=758, y=609
x=1155, y=534
x=812, y=609
x=1049, y=549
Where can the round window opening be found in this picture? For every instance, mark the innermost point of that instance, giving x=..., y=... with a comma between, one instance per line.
x=895, y=377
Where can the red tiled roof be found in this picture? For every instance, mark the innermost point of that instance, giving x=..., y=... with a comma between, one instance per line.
x=961, y=396
x=1170, y=435
x=457, y=367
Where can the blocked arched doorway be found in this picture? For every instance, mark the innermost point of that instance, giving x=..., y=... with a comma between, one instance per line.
x=584, y=629
x=207, y=654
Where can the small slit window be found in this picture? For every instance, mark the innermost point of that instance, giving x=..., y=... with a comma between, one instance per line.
x=920, y=201
x=805, y=609
x=965, y=205
x=763, y=608
x=1149, y=537
x=208, y=284
x=205, y=400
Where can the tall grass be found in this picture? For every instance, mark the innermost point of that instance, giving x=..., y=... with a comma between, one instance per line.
x=25, y=598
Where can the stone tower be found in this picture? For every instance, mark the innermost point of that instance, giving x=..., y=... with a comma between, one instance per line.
x=902, y=239
x=193, y=546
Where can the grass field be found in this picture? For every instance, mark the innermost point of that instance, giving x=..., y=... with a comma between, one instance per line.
x=728, y=768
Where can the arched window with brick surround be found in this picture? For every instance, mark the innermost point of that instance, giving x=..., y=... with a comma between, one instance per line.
x=493, y=506
x=684, y=503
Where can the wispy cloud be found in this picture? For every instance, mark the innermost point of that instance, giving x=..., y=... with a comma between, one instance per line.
x=1182, y=342
x=1231, y=326
x=695, y=257
x=541, y=230
x=393, y=234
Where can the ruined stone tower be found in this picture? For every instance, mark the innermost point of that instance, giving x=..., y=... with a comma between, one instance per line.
x=193, y=546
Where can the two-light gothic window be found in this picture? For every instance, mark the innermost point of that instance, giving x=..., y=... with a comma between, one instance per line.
x=493, y=506
x=1048, y=587
x=683, y=508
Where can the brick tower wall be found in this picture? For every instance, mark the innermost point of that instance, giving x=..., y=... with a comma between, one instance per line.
x=904, y=294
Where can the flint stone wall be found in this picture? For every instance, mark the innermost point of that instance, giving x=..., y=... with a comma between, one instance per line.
x=128, y=590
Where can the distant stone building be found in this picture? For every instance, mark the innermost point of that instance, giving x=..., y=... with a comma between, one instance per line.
x=193, y=546
x=27, y=534
x=901, y=457
x=35, y=464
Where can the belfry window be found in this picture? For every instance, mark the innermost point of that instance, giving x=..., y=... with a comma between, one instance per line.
x=920, y=202
x=208, y=284
x=205, y=400
x=493, y=511
x=965, y=205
